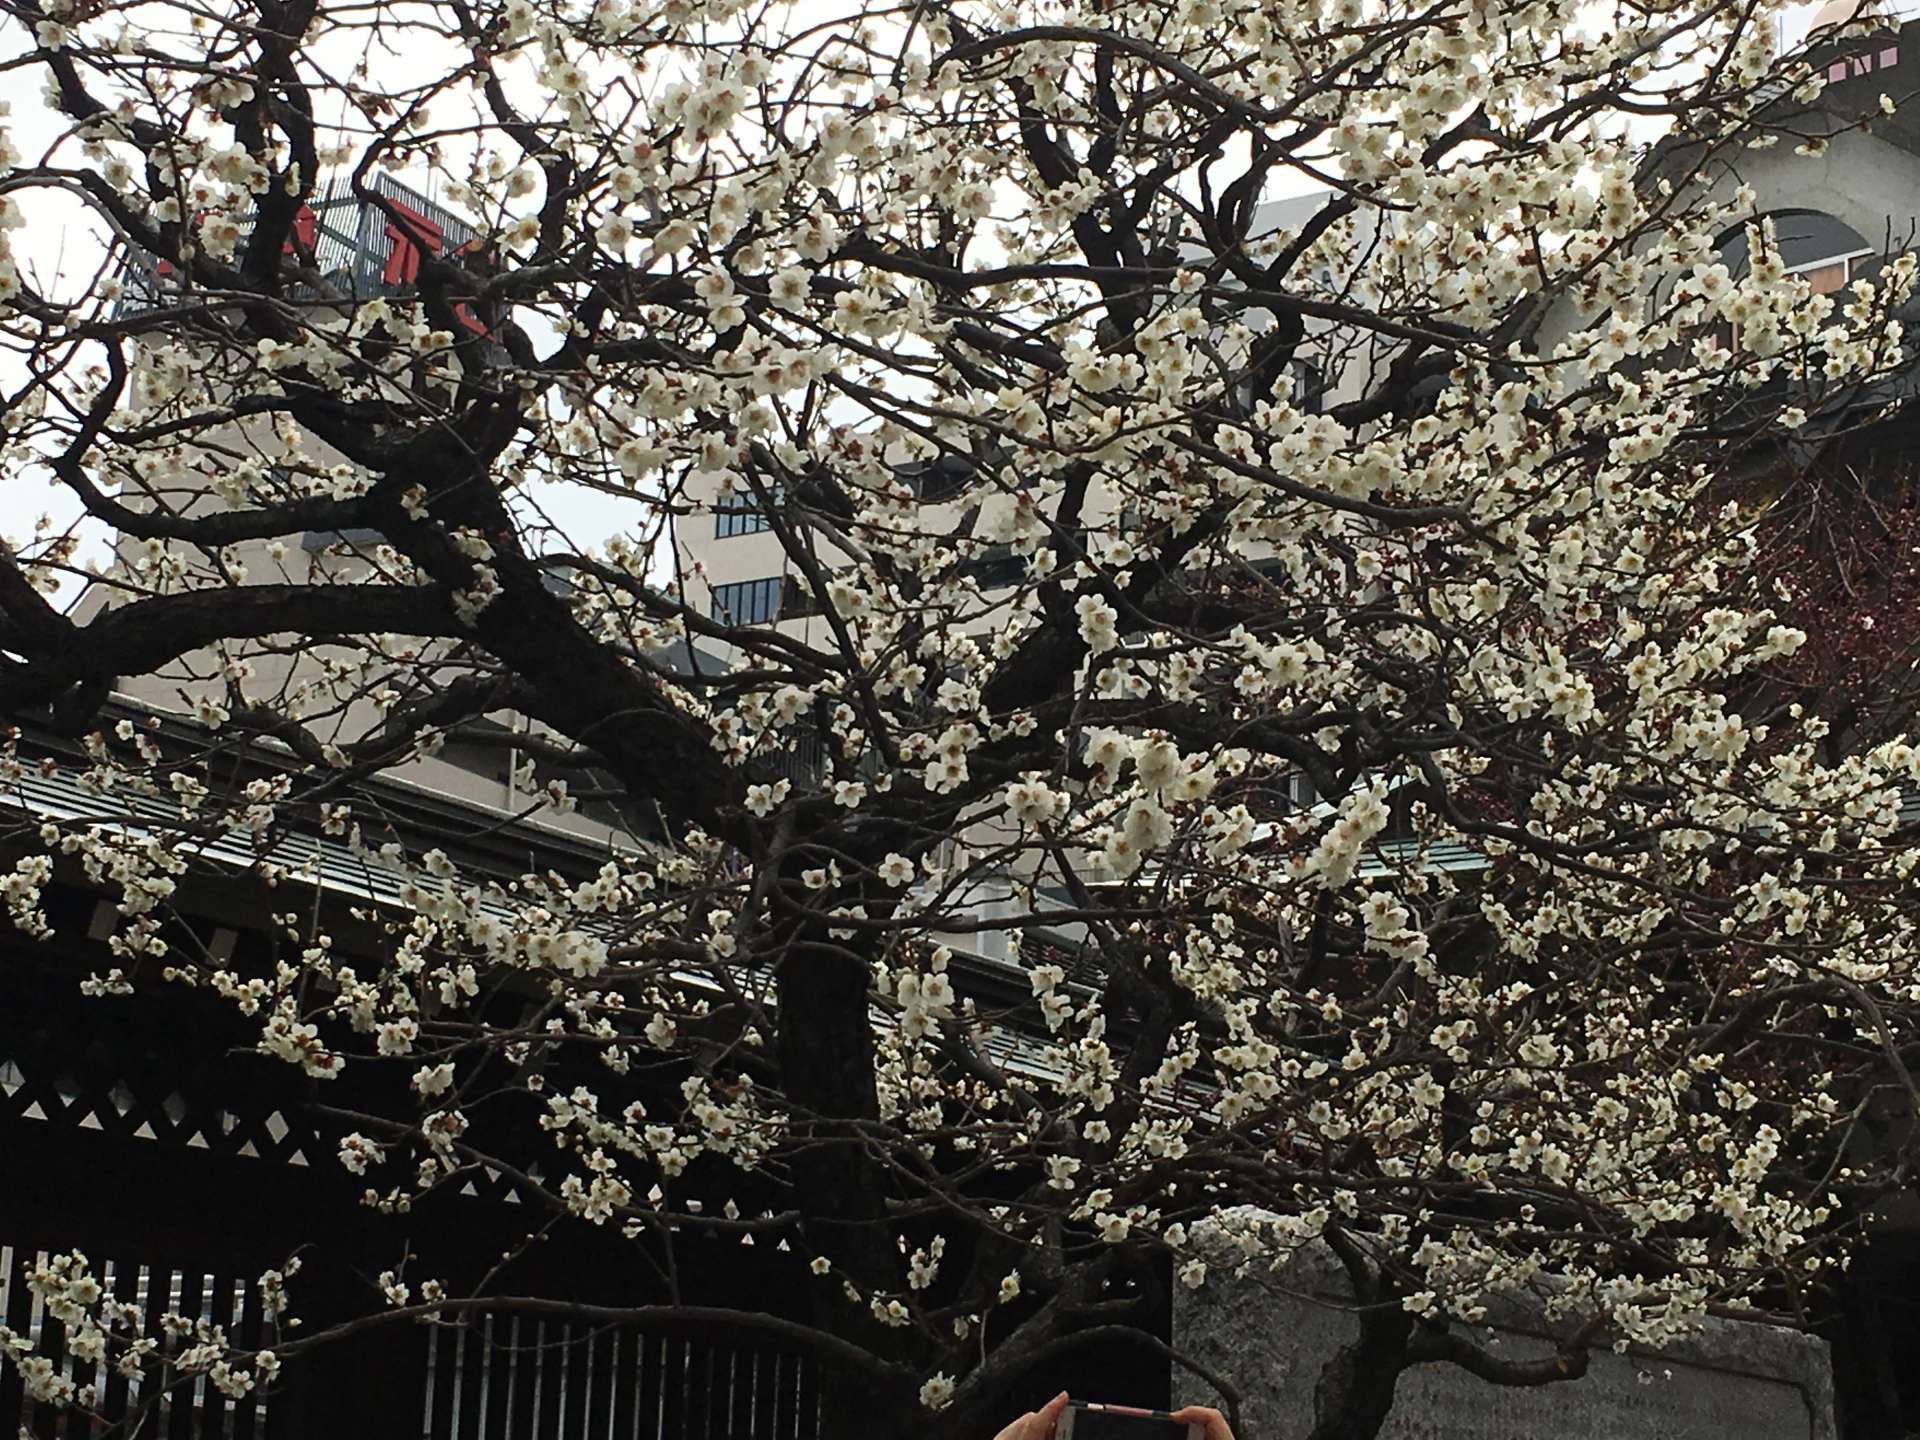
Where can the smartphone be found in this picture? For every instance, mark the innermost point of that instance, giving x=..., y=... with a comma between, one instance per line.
x=1084, y=1421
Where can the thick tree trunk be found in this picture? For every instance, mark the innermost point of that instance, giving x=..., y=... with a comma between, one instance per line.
x=1354, y=1395
x=827, y=1069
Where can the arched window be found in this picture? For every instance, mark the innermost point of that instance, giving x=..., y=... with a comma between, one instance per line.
x=1812, y=244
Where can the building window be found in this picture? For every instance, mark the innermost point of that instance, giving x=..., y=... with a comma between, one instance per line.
x=740, y=513
x=995, y=567
x=747, y=602
x=1828, y=276
x=937, y=480
x=1807, y=241
x=798, y=599
x=1309, y=387
x=1863, y=64
x=1819, y=248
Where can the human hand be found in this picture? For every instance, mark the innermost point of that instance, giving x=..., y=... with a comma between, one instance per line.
x=1214, y=1423
x=1038, y=1424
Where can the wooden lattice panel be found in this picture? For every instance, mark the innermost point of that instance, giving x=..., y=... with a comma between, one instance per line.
x=163, y=1118
x=169, y=1118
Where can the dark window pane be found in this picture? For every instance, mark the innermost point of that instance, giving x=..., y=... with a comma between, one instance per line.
x=940, y=479
x=740, y=513
x=798, y=598
x=747, y=602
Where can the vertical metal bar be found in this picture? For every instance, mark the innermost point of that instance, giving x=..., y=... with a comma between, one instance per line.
x=433, y=1382
x=487, y=1354
x=237, y=1296
x=459, y=1380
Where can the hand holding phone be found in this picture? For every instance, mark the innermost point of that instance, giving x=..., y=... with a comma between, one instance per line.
x=1084, y=1420
x=1060, y=1419
x=1036, y=1424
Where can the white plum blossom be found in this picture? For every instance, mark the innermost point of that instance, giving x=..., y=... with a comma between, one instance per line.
x=937, y=1392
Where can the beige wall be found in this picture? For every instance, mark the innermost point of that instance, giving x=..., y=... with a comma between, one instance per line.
x=278, y=674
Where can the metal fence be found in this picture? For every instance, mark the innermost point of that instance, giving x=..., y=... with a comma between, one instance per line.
x=517, y=1377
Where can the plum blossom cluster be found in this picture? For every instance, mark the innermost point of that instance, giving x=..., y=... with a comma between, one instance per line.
x=152, y=1348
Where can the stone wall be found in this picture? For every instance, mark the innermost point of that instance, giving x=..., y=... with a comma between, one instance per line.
x=1269, y=1336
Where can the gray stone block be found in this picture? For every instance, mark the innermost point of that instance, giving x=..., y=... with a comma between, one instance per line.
x=1269, y=1336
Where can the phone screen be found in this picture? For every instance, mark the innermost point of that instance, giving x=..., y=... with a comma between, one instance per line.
x=1081, y=1423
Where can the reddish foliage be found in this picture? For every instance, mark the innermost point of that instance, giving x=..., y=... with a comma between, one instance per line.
x=1840, y=559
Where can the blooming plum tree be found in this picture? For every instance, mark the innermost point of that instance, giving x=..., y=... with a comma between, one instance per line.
x=1384, y=693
